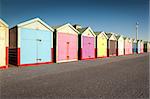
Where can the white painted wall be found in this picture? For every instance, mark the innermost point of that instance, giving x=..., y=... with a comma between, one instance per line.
x=121, y=46
x=3, y=44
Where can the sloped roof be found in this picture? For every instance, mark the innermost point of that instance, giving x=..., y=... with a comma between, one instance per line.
x=139, y=41
x=82, y=29
x=4, y=23
x=98, y=33
x=146, y=42
x=61, y=26
x=130, y=39
x=58, y=26
x=125, y=38
x=34, y=20
x=134, y=40
x=109, y=35
x=118, y=36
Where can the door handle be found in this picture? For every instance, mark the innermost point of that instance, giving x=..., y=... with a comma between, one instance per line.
x=38, y=59
x=67, y=57
x=39, y=40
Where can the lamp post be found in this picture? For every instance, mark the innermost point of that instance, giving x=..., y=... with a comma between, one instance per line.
x=137, y=26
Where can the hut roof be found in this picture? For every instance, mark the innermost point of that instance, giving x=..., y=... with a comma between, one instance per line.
x=102, y=32
x=34, y=20
x=82, y=29
x=4, y=23
x=63, y=25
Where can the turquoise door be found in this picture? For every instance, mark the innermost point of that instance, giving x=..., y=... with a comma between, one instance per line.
x=134, y=47
x=35, y=46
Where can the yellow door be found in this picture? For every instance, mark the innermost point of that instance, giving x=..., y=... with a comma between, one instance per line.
x=102, y=47
x=2, y=46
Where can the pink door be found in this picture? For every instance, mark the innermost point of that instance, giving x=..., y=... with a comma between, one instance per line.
x=62, y=46
x=130, y=47
x=73, y=47
x=141, y=47
x=67, y=47
x=88, y=50
x=91, y=47
x=127, y=47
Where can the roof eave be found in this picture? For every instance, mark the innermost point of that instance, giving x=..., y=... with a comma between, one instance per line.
x=33, y=20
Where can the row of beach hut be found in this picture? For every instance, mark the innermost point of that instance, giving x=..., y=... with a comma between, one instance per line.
x=34, y=42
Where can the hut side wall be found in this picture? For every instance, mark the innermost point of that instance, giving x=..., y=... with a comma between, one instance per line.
x=3, y=46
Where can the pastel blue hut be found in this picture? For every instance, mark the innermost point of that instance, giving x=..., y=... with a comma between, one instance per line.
x=31, y=43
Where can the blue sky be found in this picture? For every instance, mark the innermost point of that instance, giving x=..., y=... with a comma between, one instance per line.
x=117, y=16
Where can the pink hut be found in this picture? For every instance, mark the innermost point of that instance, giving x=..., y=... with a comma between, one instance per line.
x=127, y=46
x=65, y=43
x=141, y=47
x=87, y=49
x=130, y=46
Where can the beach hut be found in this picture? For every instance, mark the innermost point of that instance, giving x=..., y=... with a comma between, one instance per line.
x=130, y=46
x=120, y=45
x=138, y=46
x=127, y=45
x=31, y=43
x=101, y=44
x=65, y=43
x=134, y=46
x=146, y=46
x=87, y=40
x=141, y=46
x=112, y=44
x=3, y=44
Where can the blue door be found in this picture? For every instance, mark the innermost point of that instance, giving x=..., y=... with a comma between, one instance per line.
x=35, y=46
x=44, y=46
x=28, y=46
x=134, y=47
